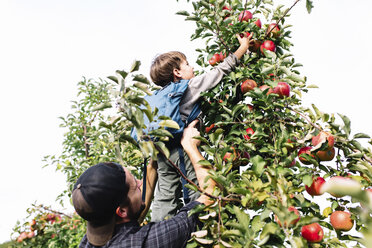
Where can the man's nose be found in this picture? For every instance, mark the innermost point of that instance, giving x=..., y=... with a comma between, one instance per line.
x=140, y=182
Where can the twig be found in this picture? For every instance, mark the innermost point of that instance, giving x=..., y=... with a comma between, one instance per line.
x=245, y=8
x=280, y=19
x=54, y=211
x=306, y=118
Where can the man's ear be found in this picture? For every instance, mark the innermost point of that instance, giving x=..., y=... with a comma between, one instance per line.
x=122, y=212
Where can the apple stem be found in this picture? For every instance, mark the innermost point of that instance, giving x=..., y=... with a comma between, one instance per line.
x=281, y=18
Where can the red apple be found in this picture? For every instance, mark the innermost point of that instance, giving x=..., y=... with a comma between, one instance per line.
x=282, y=89
x=215, y=59
x=250, y=132
x=275, y=30
x=248, y=85
x=312, y=233
x=268, y=45
x=258, y=23
x=293, y=222
x=305, y=150
x=323, y=137
x=314, y=189
x=245, y=16
x=341, y=221
x=264, y=87
x=226, y=8
x=326, y=155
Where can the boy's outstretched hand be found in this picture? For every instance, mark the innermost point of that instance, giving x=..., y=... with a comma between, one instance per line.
x=244, y=45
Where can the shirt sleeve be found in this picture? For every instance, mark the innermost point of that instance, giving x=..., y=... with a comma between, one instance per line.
x=204, y=82
x=174, y=232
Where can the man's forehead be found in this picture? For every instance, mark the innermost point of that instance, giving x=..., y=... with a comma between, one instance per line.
x=128, y=172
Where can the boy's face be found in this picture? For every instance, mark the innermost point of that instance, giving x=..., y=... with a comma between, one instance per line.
x=185, y=72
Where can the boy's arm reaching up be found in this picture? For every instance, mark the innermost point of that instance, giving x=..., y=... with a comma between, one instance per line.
x=207, y=81
x=244, y=45
x=190, y=145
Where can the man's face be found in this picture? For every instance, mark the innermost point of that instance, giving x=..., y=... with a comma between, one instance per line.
x=136, y=205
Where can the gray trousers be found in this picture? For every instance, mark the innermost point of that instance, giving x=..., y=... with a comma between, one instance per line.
x=168, y=197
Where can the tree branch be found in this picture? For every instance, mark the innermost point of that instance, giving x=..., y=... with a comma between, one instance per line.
x=280, y=19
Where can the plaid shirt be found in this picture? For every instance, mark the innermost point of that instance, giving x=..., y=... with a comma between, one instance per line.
x=173, y=232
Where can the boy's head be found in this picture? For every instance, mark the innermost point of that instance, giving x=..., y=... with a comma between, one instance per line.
x=170, y=67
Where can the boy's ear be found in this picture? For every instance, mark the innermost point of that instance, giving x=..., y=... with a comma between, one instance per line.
x=176, y=73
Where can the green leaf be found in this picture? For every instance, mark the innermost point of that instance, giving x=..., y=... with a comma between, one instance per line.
x=163, y=148
x=327, y=211
x=258, y=164
x=135, y=66
x=123, y=74
x=141, y=78
x=113, y=78
x=269, y=228
x=169, y=123
x=183, y=12
x=312, y=86
x=308, y=180
x=128, y=138
x=205, y=162
x=361, y=135
x=346, y=126
x=102, y=106
x=309, y=5
x=243, y=218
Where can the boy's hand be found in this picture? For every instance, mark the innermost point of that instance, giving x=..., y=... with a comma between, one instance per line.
x=244, y=45
x=244, y=41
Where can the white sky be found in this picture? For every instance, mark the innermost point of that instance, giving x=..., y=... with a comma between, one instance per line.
x=47, y=46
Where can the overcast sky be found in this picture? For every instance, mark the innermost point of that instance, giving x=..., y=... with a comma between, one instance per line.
x=47, y=46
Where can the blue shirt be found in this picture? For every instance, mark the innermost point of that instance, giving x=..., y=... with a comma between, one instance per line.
x=173, y=232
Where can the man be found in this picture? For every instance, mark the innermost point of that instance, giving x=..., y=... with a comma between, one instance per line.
x=108, y=196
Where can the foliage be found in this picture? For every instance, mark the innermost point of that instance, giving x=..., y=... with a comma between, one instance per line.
x=263, y=176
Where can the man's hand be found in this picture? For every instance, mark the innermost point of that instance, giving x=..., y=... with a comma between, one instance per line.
x=188, y=142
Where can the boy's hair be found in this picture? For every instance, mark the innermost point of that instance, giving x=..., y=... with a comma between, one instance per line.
x=162, y=67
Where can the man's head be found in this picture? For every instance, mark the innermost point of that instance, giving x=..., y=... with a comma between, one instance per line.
x=104, y=194
x=170, y=67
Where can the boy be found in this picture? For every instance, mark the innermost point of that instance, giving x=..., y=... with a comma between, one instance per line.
x=173, y=67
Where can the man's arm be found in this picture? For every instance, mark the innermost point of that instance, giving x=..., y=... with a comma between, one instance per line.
x=190, y=145
x=151, y=179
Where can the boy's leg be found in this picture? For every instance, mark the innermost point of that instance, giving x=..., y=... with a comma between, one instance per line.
x=168, y=192
x=190, y=173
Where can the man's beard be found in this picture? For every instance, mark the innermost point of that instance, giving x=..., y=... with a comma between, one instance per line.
x=135, y=215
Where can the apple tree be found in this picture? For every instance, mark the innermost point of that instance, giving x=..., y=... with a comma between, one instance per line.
x=274, y=160
x=264, y=148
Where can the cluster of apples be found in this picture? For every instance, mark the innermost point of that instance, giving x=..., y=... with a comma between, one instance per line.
x=50, y=217
x=217, y=58
x=273, y=30
x=282, y=89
